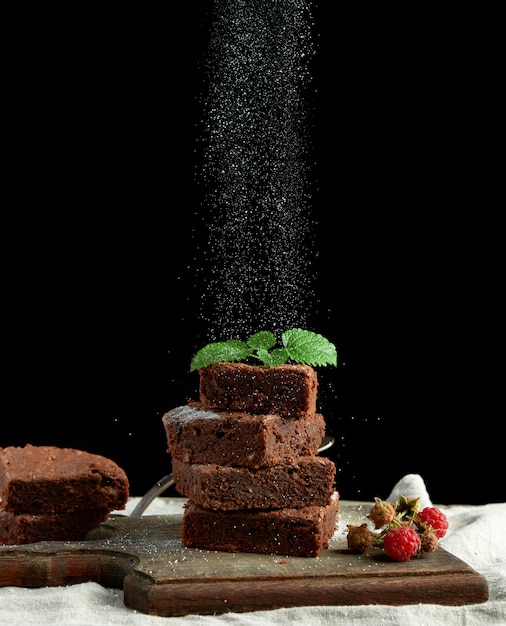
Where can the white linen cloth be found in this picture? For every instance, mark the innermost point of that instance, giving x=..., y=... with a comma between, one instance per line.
x=476, y=534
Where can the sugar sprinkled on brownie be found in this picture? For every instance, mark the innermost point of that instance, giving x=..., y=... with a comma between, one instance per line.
x=302, y=532
x=196, y=434
x=287, y=390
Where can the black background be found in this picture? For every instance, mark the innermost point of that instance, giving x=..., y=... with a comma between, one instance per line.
x=100, y=312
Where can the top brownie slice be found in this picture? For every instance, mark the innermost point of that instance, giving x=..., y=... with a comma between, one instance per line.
x=48, y=479
x=287, y=390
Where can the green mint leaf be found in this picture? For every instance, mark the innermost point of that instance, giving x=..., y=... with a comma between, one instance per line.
x=262, y=355
x=262, y=340
x=304, y=346
x=233, y=350
x=279, y=356
x=300, y=346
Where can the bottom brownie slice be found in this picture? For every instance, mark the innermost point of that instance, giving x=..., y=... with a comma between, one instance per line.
x=21, y=528
x=290, y=532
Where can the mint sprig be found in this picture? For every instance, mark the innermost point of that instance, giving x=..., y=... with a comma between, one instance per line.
x=299, y=346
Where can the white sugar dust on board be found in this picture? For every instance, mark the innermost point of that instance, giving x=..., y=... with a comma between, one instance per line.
x=257, y=238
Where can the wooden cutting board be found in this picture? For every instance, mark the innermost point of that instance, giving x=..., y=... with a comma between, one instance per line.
x=144, y=556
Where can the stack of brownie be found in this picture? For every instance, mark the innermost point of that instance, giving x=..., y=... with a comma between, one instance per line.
x=246, y=457
x=56, y=494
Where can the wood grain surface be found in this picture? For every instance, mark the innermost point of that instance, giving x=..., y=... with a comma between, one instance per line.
x=144, y=556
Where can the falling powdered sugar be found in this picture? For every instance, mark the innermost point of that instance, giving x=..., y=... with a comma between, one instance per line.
x=257, y=239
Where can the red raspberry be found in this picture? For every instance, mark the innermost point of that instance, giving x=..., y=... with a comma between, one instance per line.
x=431, y=517
x=401, y=543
